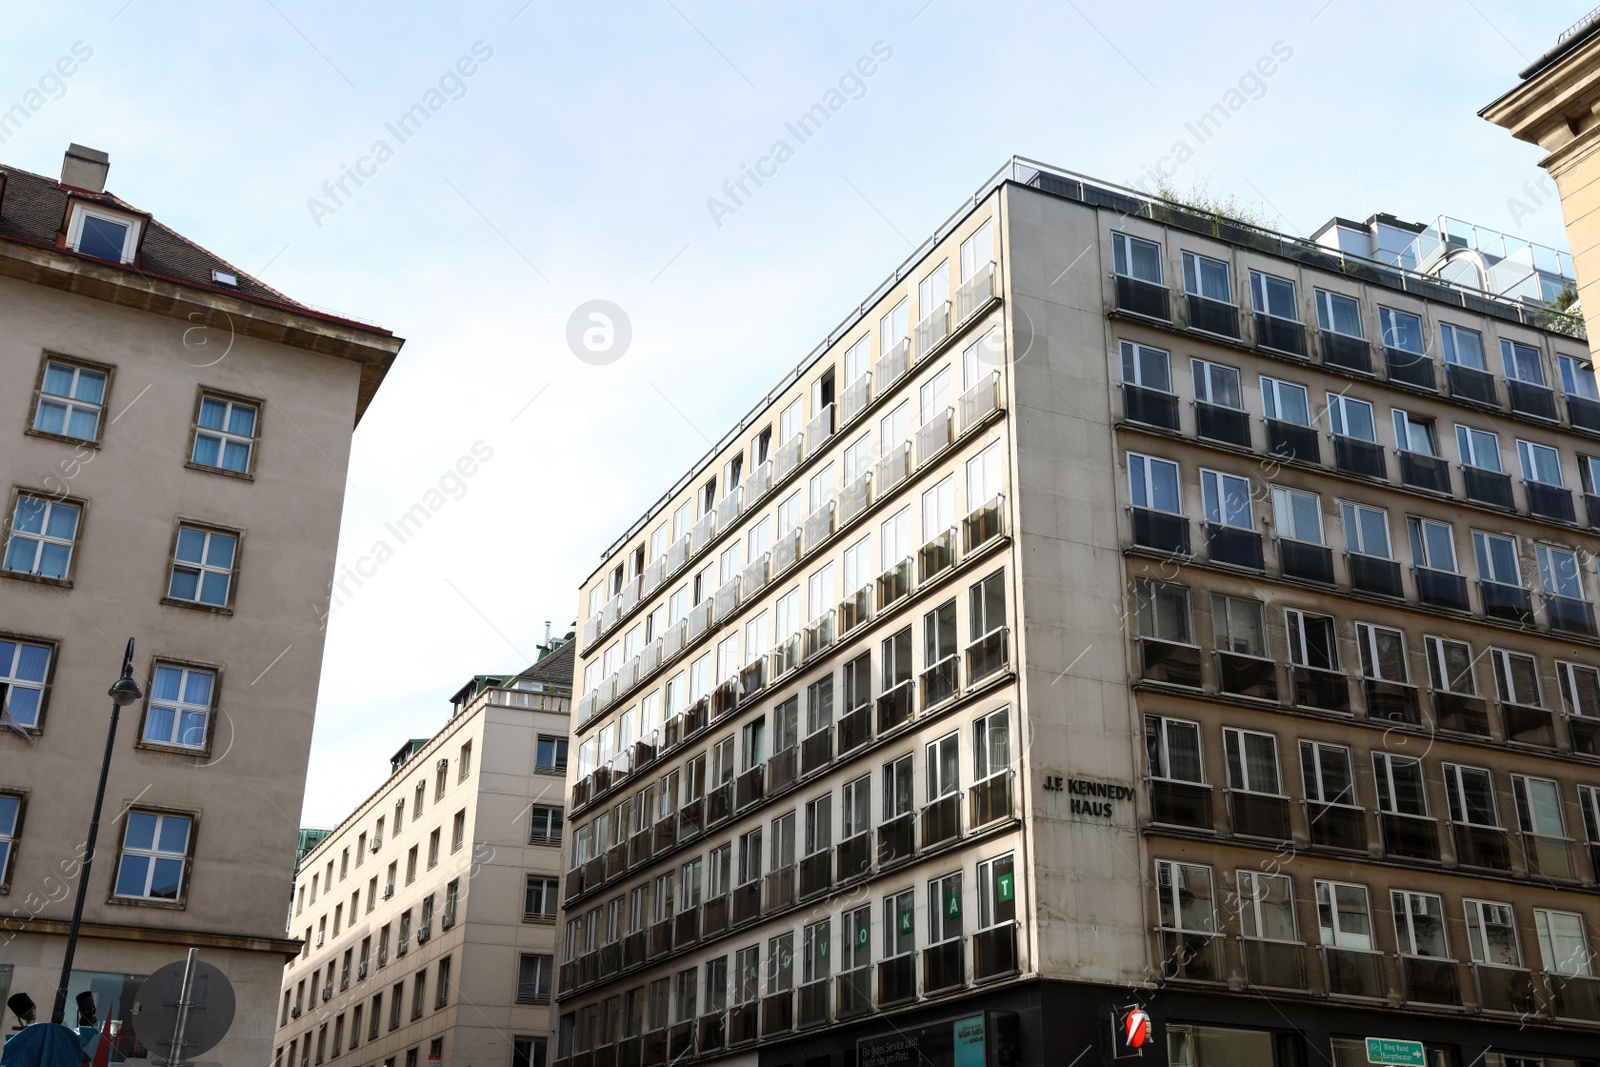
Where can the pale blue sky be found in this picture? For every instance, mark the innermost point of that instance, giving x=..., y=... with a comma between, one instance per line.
x=577, y=164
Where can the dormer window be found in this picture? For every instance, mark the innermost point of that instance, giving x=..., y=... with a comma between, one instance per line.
x=103, y=234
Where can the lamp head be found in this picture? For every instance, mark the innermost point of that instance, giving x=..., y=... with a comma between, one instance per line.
x=86, y=1012
x=125, y=690
x=23, y=1007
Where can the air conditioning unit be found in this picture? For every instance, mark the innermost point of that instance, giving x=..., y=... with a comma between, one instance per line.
x=442, y=765
x=327, y=991
x=319, y=939
x=401, y=946
x=361, y=971
x=388, y=891
x=447, y=920
x=377, y=843
x=424, y=932
x=295, y=1014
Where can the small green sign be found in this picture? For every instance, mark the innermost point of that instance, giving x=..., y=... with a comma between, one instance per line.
x=1393, y=1050
x=862, y=934
x=952, y=906
x=1005, y=888
x=907, y=920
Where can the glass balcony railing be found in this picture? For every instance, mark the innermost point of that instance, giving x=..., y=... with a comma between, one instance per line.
x=1422, y=471
x=1472, y=385
x=944, y=966
x=1177, y=803
x=1337, y=826
x=1151, y=299
x=1315, y=687
x=778, y=889
x=1528, y=725
x=1169, y=662
x=1528, y=398
x=941, y=821
x=937, y=556
x=994, y=952
x=1441, y=589
x=814, y=1003
x=1351, y=972
x=756, y=483
x=1570, y=615
x=1342, y=350
x=1549, y=501
x=1259, y=815
x=1392, y=701
x=1276, y=964
x=983, y=525
x=1411, y=837
x=1574, y=996
x=1217, y=423
x=816, y=873
x=1509, y=602
x=1212, y=316
x=816, y=751
x=1250, y=676
x=854, y=498
x=1190, y=955
x=1356, y=456
x=817, y=637
x=1290, y=440
x=897, y=979
x=991, y=798
x=819, y=524
x=855, y=992
x=895, y=705
x=932, y=330
x=783, y=769
x=787, y=457
x=941, y=681
x=1549, y=857
x=935, y=435
x=1280, y=334
x=897, y=840
x=1409, y=368
x=1507, y=989
x=1374, y=574
x=1160, y=530
x=975, y=292
x=1584, y=413
x=1481, y=846
x=1233, y=546
x=894, y=364
x=855, y=729
x=854, y=398
x=892, y=469
x=976, y=403
x=988, y=655
x=854, y=609
x=1149, y=406
x=1488, y=487
x=854, y=857
x=1428, y=980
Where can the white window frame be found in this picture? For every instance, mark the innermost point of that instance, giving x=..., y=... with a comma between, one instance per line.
x=130, y=240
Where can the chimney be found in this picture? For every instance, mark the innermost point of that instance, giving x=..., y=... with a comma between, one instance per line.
x=85, y=168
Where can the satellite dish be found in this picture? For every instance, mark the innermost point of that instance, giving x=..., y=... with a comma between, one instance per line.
x=211, y=1004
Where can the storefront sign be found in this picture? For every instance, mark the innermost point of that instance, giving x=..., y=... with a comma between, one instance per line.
x=971, y=1041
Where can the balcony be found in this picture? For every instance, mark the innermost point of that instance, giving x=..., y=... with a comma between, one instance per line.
x=1190, y=955
x=660, y=938
x=941, y=821
x=1212, y=316
x=1481, y=846
x=1352, y=973
x=1549, y=501
x=814, y=1003
x=691, y=820
x=666, y=833
x=1247, y=676
x=816, y=873
x=1324, y=690
x=756, y=483
x=779, y=889
x=1258, y=815
x=1422, y=471
x=777, y=1013
x=1280, y=334
x=1374, y=574
x=855, y=992
x=752, y=678
x=1217, y=423
x=1460, y=713
x=1409, y=368
x=855, y=729
x=854, y=609
x=1585, y=733
x=932, y=330
x=944, y=966
x=1290, y=440
x=854, y=858
x=1426, y=980
x=1528, y=725
x=1160, y=530
x=819, y=524
x=897, y=979
x=892, y=469
x=1180, y=803
x=994, y=952
x=785, y=551
x=1169, y=662
x=748, y=788
x=817, y=637
x=728, y=509
x=1488, y=487
x=976, y=403
x=854, y=398
x=988, y=655
x=1301, y=559
x=1410, y=837
x=894, y=364
x=816, y=751
x=1149, y=406
x=854, y=498
x=1337, y=826
x=1355, y=456
x=754, y=575
x=1141, y=297
x=895, y=840
x=894, y=705
x=1530, y=399
x=937, y=556
x=990, y=799
x=678, y=554
x=1574, y=997
x=941, y=681
x=746, y=902
x=714, y=916
x=1509, y=602
x=784, y=658
x=984, y=524
x=1584, y=413
x=820, y=428
x=975, y=292
x=1394, y=702
x=1471, y=385
x=1233, y=546
x=686, y=927
x=1549, y=857
x=1342, y=350
x=640, y=848
x=787, y=457
x=1441, y=589
x=701, y=533
x=743, y=1023
x=699, y=620
x=713, y=1032
x=783, y=769
x=633, y=949
x=1508, y=989
x=1570, y=615
x=935, y=435
x=1276, y=964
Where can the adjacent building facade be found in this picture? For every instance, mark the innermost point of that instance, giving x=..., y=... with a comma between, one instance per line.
x=1124, y=607
x=177, y=441
x=427, y=917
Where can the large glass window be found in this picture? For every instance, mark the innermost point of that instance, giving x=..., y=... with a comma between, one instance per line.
x=1285, y=401
x=1297, y=515
x=1338, y=313
x=1252, y=761
x=155, y=852
x=1172, y=749
x=1266, y=906
x=1366, y=529
x=1145, y=366
x=1344, y=915
x=43, y=533
x=1562, y=945
x=1492, y=933
x=1470, y=791
x=1522, y=362
x=1227, y=499
x=1349, y=417
x=1134, y=257
x=1464, y=348
x=1187, y=901
x=1312, y=642
x=1401, y=330
x=1539, y=463
x=1273, y=296
x=1217, y=384
x=1206, y=277
x=1419, y=924
x=1237, y=625
x=70, y=399
x=1153, y=483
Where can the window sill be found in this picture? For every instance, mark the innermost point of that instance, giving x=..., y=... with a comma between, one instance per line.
x=243, y=476
x=20, y=576
x=540, y=920
x=180, y=904
x=63, y=438
x=194, y=605
x=173, y=750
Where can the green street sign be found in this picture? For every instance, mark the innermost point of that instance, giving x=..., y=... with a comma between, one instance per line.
x=1393, y=1050
x=1005, y=888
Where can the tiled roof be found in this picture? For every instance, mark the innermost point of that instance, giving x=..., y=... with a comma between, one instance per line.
x=555, y=668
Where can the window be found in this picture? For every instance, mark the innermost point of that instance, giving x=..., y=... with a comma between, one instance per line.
x=411, y=865
x=1366, y=529
x=944, y=909
x=180, y=705
x=533, y=978
x=893, y=327
x=70, y=401
x=1172, y=747
x=814, y=941
x=1522, y=362
x=944, y=767
x=155, y=852
x=783, y=841
x=1561, y=942
x=856, y=951
x=855, y=808
x=1433, y=544
x=1415, y=434
x=1577, y=377
x=1516, y=677
x=1297, y=515
x=1237, y=625
x=899, y=924
x=939, y=634
x=753, y=745
x=1186, y=900
x=1147, y=367
x=1419, y=924
x=418, y=796
x=819, y=705
x=1325, y=770
x=419, y=994
x=997, y=892
x=1217, y=384
x=1471, y=794
x=1539, y=463
x=1311, y=640
x=1163, y=610
x=895, y=539
x=10, y=824
x=1538, y=806
x=539, y=896
x=939, y=508
x=545, y=828
x=1338, y=313
x=1266, y=906
x=747, y=983
x=225, y=434
x=897, y=787
x=1463, y=348
x=1252, y=761
x=1344, y=916
x=1153, y=483
x=377, y=1009
x=1478, y=448
x=991, y=745
x=1580, y=688
x=202, y=566
x=1559, y=571
x=1349, y=417
x=1492, y=933
x=1401, y=330
x=1383, y=653
x=1285, y=401
x=1400, y=788
x=43, y=533
x=1227, y=499
x=1497, y=558
x=102, y=234
x=24, y=669
x=750, y=856
x=1206, y=277
x=819, y=824
x=1271, y=295
x=933, y=291
x=1133, y=257
x=464, y=764
x=780, y=964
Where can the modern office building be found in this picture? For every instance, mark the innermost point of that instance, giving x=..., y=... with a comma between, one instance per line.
x=1122, y=607
x=1557, y=106
x=179, y=436
x=427, y=917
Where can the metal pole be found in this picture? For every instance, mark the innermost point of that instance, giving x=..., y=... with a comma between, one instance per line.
x=175, y=1056
x=59, y=1014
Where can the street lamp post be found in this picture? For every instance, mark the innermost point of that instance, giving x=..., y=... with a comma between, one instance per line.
x=122, y=692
